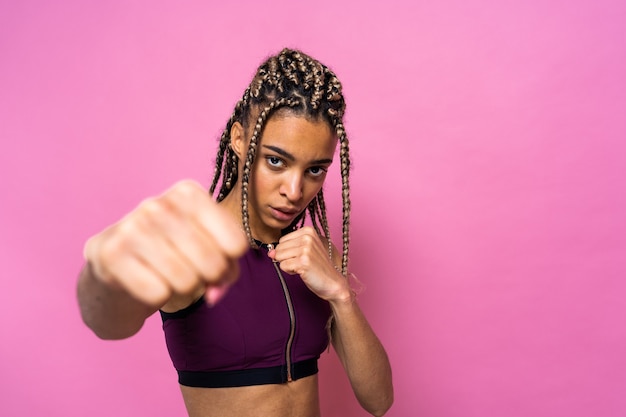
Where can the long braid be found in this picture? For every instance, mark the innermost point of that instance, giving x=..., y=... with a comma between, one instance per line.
x=313, y=209
x=226, y=161
x=321, y=210
x=296, y=81
x=344, y=155
x=223, y=146
x=250, y=157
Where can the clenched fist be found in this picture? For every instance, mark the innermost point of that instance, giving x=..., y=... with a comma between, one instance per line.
x=180, y=243
x=302, y=252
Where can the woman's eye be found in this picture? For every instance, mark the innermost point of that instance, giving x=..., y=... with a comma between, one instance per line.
x=274, y=161
x=317, y=171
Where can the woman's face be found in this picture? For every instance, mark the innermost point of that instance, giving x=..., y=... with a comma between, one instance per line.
x=292, y=159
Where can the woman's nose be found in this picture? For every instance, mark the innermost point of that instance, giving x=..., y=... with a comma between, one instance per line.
x=292, y=187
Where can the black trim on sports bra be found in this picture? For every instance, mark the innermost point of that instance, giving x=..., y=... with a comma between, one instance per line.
x=182, y=313
x=247, y=377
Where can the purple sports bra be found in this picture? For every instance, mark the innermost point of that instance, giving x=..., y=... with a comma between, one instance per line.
x=268, y=329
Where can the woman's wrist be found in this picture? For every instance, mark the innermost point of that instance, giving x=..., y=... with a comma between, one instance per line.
x=344, y=297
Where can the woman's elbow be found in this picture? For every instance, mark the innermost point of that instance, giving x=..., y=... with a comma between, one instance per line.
x=379, y=412
x=381, y=405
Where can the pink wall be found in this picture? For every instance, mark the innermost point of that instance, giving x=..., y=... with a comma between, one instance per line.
x=488, y=189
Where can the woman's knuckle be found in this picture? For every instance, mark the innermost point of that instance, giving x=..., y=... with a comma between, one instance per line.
x=185, y=188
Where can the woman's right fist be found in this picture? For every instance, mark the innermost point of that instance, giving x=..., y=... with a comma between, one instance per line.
x=179, y=243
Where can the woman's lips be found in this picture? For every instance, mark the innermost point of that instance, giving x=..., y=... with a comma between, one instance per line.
x=284, y=214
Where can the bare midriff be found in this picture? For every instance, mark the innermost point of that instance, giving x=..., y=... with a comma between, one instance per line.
x=297, y=398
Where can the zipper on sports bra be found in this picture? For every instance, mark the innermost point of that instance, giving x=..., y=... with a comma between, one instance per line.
x=292, y=317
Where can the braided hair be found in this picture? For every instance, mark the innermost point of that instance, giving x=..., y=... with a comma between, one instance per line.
x=302, y=85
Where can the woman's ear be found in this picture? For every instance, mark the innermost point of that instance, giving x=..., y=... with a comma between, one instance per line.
x=238, y=140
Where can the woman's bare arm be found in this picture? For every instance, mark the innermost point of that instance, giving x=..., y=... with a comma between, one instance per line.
x=362, y=355
x=110, y=312
x=164, y=254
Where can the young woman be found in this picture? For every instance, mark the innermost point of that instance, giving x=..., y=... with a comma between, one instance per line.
x=248, y=294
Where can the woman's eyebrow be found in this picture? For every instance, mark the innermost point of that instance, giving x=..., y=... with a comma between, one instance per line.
x=292, y=158
x=281, y=152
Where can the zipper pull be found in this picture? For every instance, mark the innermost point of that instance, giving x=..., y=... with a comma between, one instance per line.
x=270, y=246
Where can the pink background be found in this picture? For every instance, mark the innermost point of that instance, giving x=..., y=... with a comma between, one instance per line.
x=488, y=189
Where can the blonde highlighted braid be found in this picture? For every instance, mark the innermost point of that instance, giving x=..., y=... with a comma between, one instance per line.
x=294, y=82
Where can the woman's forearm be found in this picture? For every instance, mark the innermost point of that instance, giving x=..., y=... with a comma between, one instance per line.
x=111, y=313
x=363, y=357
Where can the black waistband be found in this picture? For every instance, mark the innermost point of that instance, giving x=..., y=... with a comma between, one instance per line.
x=246, y=377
